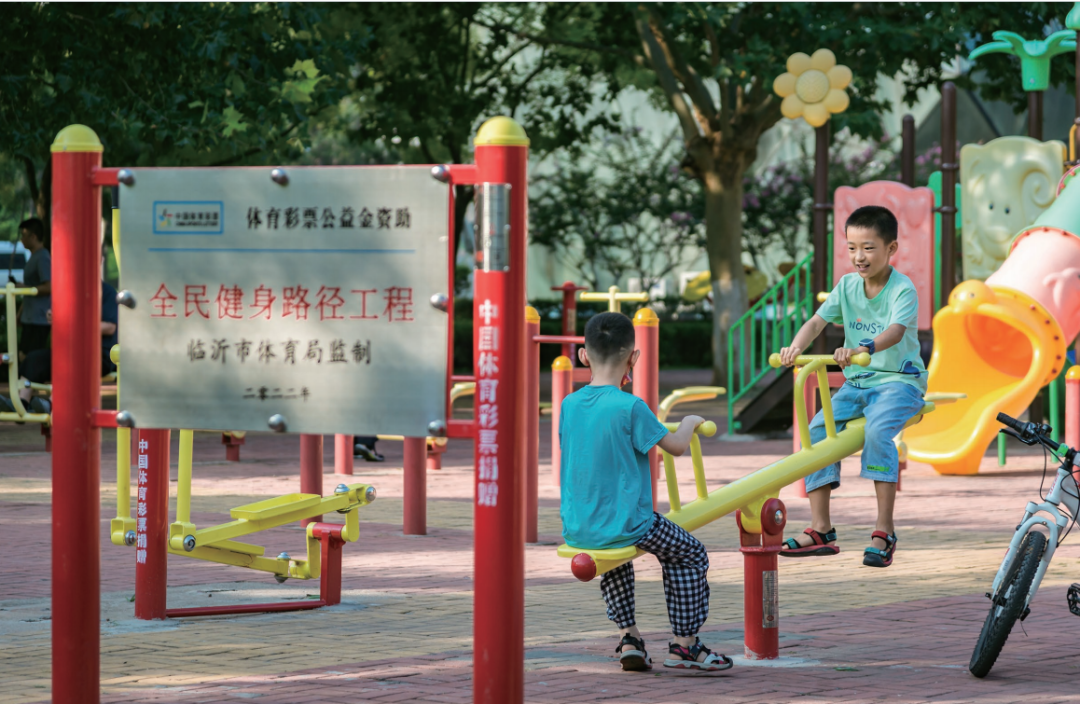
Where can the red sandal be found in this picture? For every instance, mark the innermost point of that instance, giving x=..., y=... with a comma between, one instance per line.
x=820, y=546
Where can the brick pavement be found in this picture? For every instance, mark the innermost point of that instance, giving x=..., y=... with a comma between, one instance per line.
x=402, y=633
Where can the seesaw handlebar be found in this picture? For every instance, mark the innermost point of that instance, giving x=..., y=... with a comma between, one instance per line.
x=708, y=428
x=862, y=359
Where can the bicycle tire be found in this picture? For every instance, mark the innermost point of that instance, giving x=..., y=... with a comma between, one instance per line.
x=999, y=622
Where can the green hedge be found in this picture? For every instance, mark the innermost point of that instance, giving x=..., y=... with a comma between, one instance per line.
x=682, y=344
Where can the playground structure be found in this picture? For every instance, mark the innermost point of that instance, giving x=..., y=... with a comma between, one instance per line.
x=760, y=514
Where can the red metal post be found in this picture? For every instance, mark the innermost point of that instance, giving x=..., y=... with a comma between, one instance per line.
x=500, y=443
x=232, y=445
x=569, y=316
x=562, y=385
x=311, y=469
x=414, y=519
x=1072, y=405
x=76, y=470
x=647, y=376
x=152, y=523
x=434, y=455
x=761, y=612
x=329, y=536
x=532, y=421
x=343, y=457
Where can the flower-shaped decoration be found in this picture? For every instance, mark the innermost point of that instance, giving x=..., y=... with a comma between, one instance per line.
x=813, y=87
x=1034, y=54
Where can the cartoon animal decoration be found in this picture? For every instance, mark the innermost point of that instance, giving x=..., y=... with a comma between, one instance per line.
x=1005, y=185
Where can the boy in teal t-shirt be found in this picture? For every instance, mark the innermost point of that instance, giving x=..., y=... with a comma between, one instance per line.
x=605, y=436
x=878, y=307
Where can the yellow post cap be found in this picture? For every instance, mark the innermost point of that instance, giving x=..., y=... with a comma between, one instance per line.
x=646, y=316
x=1073, y=374
x=561, y=364
x=114, y=354
x=76, y=138
x=501, y=132
x=531, y=316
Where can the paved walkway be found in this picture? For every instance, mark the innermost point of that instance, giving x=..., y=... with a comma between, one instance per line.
x=403, y=631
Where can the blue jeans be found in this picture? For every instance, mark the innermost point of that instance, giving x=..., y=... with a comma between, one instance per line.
x=886, y=408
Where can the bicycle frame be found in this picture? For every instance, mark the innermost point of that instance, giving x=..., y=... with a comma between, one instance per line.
x=1047, y=513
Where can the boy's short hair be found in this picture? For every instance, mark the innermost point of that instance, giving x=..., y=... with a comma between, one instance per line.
x=876, y=218
x=35, y=226
x=609, y=337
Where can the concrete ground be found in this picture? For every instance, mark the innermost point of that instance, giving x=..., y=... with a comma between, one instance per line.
x=403, y=632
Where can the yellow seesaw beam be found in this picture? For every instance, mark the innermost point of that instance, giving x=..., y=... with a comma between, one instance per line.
x=751, y=491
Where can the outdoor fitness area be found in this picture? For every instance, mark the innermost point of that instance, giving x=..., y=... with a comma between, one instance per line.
x=297, y=410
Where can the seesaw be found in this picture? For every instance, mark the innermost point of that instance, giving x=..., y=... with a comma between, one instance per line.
x=760, y=514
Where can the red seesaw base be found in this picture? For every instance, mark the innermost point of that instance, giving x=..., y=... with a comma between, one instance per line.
x=329, y=535
x=761, y=608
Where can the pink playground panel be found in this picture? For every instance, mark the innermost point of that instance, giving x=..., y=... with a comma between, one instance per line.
x=914, y=210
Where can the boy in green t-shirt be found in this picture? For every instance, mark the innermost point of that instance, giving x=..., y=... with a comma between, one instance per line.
x=878, y=307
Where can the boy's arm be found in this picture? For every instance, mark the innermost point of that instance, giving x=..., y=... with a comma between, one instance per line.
x=892, y=336
x=806, y=335
x=676, y=443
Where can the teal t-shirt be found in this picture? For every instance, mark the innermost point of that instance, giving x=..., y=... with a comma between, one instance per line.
x=864, y=319
x=605, y=435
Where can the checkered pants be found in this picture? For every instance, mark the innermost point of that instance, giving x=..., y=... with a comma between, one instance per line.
x=685, y=564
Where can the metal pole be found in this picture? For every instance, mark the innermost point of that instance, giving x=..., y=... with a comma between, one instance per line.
x=414, y=514
x=343, y=457
x=152, y=521
x=647, y=377
x=500, y=444
x=822, y=208
x=76, y=470
x=532, y=423
x=950, y=168
x=562, y=385
x=1035, y=114
x=907, y=151
x=569, y=317
x=311, y=469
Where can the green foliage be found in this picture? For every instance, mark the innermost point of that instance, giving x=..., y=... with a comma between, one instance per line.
x=170, y=83
x=625, y=209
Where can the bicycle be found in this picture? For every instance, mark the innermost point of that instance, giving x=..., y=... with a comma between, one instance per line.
x=1032, y=547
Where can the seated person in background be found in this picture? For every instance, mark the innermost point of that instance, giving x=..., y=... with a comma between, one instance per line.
x=37, y=367
x=36, y=274
x=364, y=446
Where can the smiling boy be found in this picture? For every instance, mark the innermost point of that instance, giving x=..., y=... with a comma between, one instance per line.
x=878, y=307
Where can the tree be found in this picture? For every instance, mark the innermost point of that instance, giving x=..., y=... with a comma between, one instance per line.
x=626, y=210
x=434, y=72
x=166, y=84
x=713, y=65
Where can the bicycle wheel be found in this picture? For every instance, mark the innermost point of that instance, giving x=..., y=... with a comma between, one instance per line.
x=1007, y=604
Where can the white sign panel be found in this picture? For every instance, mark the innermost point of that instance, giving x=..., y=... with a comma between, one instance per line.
x=308, y=299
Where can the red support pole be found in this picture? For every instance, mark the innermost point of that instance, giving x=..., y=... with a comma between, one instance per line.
x=152, y=521
x=532, y=422
x=761, y=610
x=562, y=385
x=329, y=536
x=500, y=443
x=414, y=520
x=647, y=376
x=434, y=456
x=1072, y=405
x=569, y=316
x=311, y=469
x=343, y=457
x=76, y=470
x=232, y=445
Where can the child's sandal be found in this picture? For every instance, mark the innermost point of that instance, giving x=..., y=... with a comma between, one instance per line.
x=820, y=546
x=632, y=654
x=874, y=557
x=684, y=658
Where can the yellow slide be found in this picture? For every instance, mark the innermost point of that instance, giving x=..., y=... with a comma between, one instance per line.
x=1001, y=341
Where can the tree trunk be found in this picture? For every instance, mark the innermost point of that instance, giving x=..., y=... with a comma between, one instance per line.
x=723, y=231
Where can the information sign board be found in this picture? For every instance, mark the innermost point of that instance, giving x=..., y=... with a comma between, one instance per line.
x=308, y=297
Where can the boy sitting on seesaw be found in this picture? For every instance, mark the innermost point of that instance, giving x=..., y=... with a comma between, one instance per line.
x=879, y=308
x=605, y=436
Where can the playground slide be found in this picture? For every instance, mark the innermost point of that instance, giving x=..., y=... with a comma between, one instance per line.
x=1000, y=341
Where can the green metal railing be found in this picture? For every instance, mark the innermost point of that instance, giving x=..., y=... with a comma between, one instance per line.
x=770, y=324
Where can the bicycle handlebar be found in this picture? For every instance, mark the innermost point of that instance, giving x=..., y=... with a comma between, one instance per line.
x=1029, y=433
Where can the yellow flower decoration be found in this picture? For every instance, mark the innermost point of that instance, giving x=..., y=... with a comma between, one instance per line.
x=813, y=87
